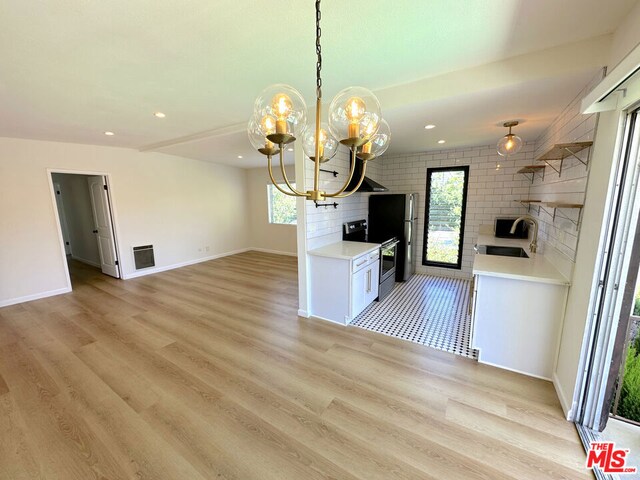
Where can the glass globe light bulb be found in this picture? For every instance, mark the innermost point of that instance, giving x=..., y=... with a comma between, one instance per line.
x=268, y=125
x=509, y=144
x=328, y=143
x=257, y=137
x=379, y=143
x=285, y=105
x=352, y=111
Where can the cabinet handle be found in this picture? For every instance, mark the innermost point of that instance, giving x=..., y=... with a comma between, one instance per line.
x=368, y=281
x=361, y=263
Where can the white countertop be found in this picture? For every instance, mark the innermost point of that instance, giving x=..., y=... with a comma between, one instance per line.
x=533, y=269
x=345, y=250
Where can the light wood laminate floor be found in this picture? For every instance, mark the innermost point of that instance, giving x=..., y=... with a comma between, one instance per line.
x=206, y=372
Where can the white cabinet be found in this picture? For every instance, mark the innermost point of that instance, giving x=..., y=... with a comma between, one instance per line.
x=516, y=324
x=343, y=286
x=364, y=284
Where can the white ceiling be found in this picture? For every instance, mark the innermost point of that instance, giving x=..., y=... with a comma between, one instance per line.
x=73, y=69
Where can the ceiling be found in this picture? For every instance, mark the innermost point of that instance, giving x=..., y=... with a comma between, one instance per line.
x=73, y=69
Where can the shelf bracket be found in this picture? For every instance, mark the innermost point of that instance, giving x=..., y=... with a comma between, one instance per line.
x=559, y=172
x=573, y=154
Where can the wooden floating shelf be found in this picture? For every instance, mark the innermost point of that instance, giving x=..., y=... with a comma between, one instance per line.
x=560, y=151
x=555, y=206
x=531, y=169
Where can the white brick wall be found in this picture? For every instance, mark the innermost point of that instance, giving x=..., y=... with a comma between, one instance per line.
x=559, y=239
x=324, y=225
x=492, y=193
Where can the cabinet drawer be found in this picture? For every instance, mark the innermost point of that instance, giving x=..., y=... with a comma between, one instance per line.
x=363, y=260
x=360, y=262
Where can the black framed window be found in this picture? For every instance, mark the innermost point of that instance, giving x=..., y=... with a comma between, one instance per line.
x=446, y=201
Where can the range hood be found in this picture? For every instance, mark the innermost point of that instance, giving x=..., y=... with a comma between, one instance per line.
x=368, y=185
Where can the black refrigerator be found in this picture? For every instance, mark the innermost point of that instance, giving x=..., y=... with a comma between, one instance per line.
x=396, y=215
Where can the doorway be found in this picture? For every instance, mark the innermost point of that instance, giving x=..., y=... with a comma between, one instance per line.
x=87, y=232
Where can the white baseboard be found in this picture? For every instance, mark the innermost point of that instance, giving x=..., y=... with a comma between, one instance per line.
x=84, y=260
x=566, y=408
x=514, y=370
x=276, y=252
x=36, y=296
x=151, y=271
x=303, y=313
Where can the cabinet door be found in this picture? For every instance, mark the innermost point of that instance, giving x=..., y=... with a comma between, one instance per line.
x=373, y=280
x=358, y=291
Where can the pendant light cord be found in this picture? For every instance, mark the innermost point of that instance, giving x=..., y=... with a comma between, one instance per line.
x=318, y=51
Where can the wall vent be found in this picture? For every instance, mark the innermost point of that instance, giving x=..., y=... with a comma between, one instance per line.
x=143, y=256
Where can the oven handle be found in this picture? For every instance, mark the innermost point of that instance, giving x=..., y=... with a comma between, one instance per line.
x=389, y=245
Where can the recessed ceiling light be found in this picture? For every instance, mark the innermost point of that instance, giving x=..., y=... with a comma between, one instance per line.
x=159, y=115
x=239, y=156
x=110, y=134
x=430, y=126
x=441, y=141
x=290, y=149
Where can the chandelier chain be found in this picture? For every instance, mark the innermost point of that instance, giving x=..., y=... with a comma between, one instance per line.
x=318, y=51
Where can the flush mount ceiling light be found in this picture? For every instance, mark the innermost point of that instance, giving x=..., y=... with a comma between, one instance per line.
x=109, y=134
x=239, y=156
x=159, y=115
x=280, y=115
x=429, y=127
x=510, y=143
x=441, y=141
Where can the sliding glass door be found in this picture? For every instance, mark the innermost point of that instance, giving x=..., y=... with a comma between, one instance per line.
x=446, y=199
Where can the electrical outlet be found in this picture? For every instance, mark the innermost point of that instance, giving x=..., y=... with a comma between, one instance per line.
x=206, y=249
x=200, y=249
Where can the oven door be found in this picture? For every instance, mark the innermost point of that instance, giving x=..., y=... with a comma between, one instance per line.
x=388, y=259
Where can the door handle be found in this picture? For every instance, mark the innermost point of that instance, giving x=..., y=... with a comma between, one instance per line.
x=95, y=231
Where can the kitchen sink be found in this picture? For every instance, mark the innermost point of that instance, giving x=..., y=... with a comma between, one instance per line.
x=506, y=251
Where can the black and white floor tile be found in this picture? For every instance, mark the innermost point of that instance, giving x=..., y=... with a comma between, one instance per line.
x=432, y=311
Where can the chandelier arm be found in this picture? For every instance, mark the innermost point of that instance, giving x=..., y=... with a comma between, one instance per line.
x=346, y=184
x=355, y=189
x=296, y=193
x=273, y=180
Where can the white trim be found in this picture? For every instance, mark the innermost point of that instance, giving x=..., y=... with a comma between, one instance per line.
x=513, y=370
x=314, y=317
x=619, y=75
x=35, y=296
x=84, y=260
x=568, y=410
x=150, y=271
x=303, y=313
x=275, y=252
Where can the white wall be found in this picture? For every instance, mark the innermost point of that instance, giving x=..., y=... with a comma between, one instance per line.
x=264, y=235
x=181, y=206
x=491, y=193
x=74, y=191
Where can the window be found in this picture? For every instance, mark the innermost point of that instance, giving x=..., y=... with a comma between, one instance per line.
x=282, y=208
x=444, y=218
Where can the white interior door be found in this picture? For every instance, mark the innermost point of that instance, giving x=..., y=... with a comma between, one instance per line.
x=103, y=227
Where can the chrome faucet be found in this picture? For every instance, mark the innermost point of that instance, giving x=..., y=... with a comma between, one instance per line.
x=529, y=219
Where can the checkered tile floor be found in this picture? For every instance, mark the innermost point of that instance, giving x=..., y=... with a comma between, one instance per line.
x=429, y=310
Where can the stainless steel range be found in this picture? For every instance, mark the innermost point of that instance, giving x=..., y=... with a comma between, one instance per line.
x=357, y=232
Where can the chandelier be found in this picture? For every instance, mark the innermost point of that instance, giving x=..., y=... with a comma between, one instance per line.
x=280, y=116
